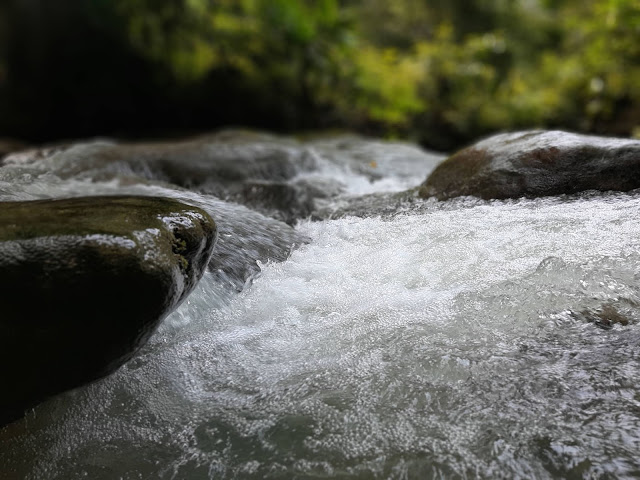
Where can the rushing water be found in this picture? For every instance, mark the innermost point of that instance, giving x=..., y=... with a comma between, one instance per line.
x=460, y=339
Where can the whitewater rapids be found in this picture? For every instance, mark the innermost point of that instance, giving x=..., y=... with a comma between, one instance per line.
x=460, y=339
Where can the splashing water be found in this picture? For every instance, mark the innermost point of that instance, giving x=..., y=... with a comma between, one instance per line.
x=448, y=340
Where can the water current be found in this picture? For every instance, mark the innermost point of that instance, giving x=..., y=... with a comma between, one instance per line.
x=459, y=339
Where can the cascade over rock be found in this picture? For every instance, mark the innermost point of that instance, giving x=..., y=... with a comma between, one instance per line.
x=282, y=178
x=536, y=164
x=226, y=165
x=84, y=282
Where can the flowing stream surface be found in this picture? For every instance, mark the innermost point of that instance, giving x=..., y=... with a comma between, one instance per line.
x=459, y=339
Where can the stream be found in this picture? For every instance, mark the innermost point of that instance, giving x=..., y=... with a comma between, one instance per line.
x=459, y=339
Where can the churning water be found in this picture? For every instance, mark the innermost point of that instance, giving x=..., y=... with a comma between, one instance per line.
x=460, y=339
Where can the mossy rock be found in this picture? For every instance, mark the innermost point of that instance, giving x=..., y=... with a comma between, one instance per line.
x=84, y=282
x=536, y=164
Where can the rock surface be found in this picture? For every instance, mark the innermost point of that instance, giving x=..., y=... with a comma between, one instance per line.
x=536, y=164
x=83, y=284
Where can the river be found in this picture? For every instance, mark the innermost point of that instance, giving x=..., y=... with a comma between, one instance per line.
x=459, y=339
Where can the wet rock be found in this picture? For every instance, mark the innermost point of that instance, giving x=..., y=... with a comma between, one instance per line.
x=373, y=205
x=536, y=164
x=83, y=284
x=280, y=200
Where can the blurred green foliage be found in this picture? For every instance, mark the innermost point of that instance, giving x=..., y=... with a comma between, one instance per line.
x=441, y=71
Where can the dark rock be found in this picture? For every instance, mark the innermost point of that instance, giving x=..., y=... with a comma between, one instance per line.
x=280, y=200
x=537, y=164
x=83, y=284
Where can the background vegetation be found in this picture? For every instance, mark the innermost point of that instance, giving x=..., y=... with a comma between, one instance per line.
x=442, y=72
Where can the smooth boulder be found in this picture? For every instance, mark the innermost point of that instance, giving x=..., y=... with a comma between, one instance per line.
x=84, y=282
x=536, y=164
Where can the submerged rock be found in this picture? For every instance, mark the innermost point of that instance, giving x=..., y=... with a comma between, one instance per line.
x=609, y=314
x=83, y=284
x=537, y=164
x=373, y=205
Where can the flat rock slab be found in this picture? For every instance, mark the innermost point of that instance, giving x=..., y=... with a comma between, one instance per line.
x=84, y=282
x=536, y=164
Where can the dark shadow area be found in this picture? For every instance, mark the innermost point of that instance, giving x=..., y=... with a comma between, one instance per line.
x=441, y=73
